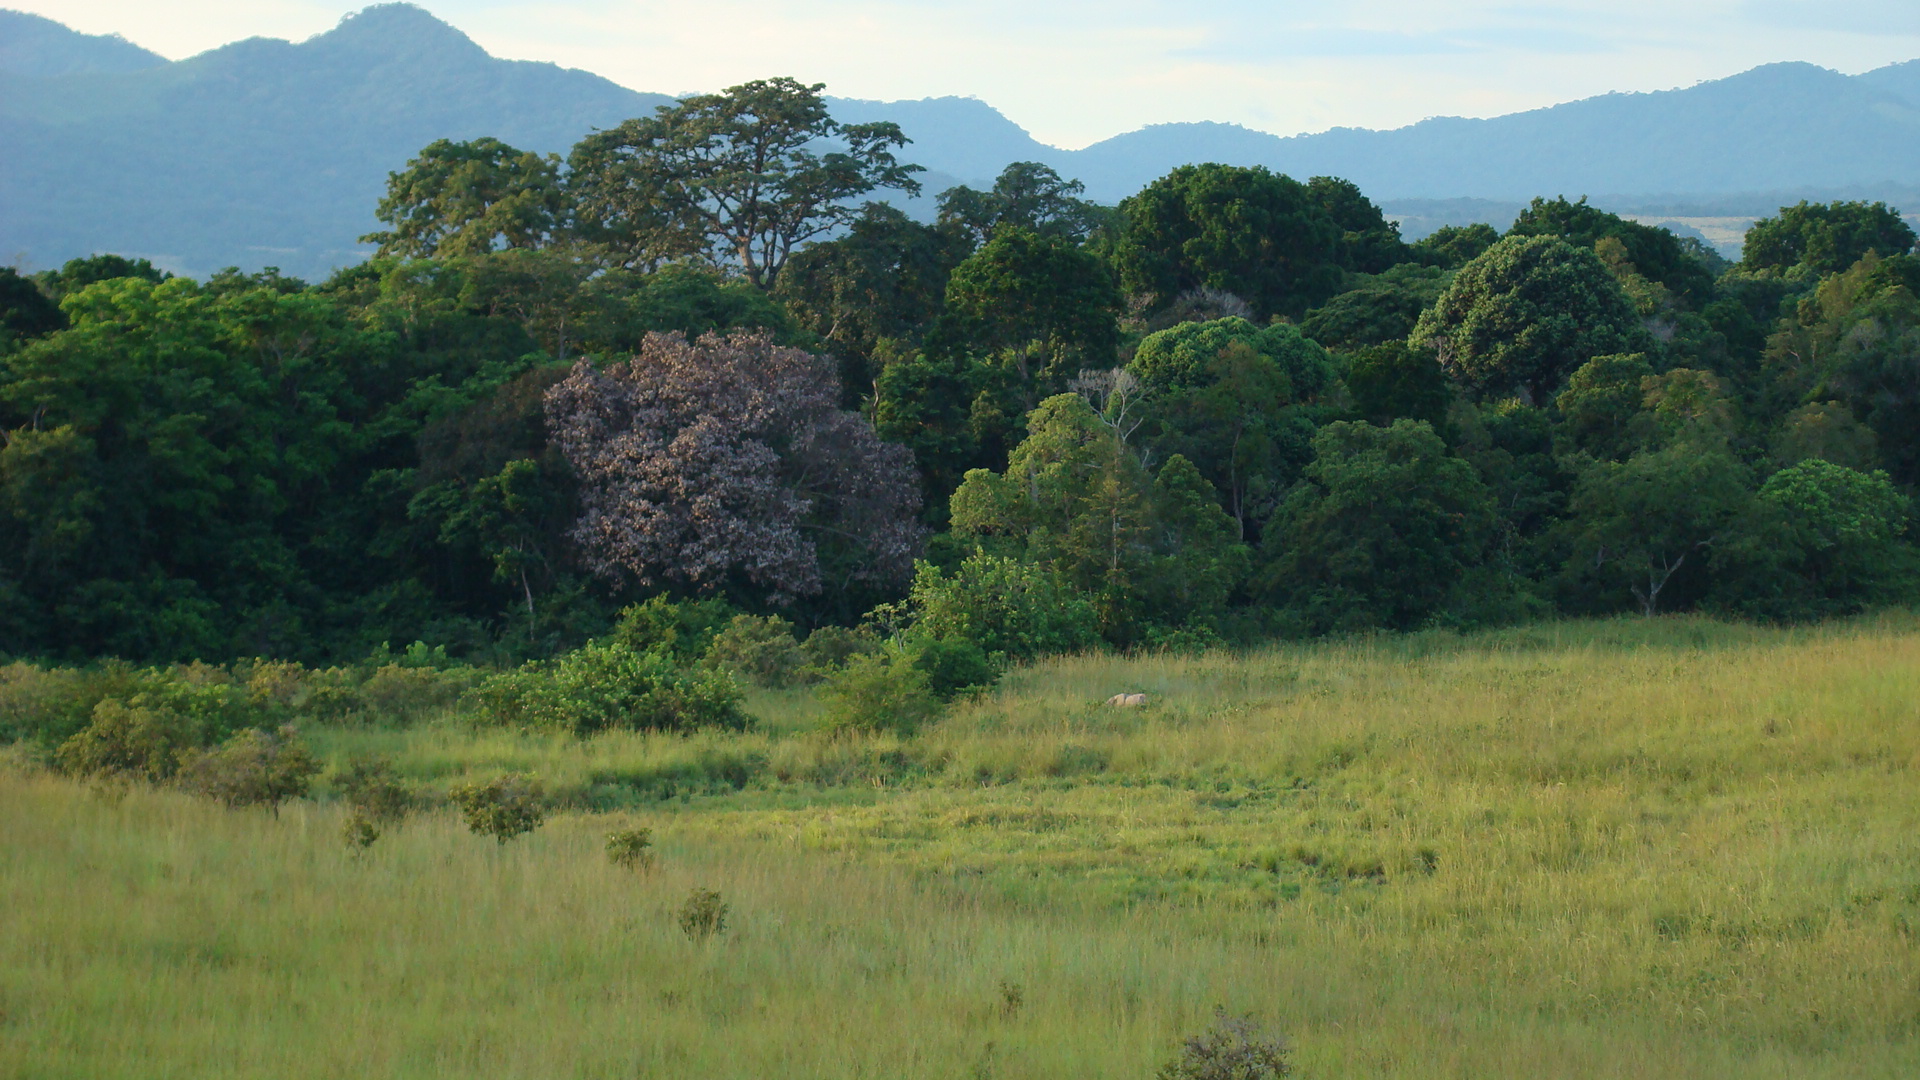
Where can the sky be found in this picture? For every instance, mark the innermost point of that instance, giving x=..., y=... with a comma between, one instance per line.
x=1073, y=72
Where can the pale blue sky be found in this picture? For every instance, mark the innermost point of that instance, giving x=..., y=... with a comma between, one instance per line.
x=1075, y=71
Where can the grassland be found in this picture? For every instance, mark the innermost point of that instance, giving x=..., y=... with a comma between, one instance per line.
x=1626, y=849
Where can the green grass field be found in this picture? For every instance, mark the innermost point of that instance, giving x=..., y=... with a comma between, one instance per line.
x=1673, y=848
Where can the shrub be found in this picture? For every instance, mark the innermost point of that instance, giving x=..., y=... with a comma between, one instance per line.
x=703, y=915
x=829, y=647
x=136, y=739
x=373, y=791
x=254, y=768
x=759, y=649
x=954, y=666
x=681, y=629
x=405, y=693
x=1005, y=606
x=879, y=692
x=630, y=849
x=605, y=685
x=503, y=807
x=1235, y=1048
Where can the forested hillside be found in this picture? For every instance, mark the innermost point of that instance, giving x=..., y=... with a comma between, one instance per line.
x=1238, y=406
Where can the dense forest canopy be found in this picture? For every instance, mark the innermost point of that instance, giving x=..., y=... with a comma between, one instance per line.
x=690, y=361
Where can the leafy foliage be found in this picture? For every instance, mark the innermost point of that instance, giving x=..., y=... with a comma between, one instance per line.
x=254, y=768
x=507, y=806
x=602, y=685
x=1523, y=316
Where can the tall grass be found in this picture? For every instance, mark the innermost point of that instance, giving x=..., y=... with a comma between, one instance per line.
x=1666, y=849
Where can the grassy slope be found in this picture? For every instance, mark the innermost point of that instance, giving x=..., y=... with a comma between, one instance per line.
x=1657, y=850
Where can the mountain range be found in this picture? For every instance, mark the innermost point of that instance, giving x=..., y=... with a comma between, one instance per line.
x=268, y=152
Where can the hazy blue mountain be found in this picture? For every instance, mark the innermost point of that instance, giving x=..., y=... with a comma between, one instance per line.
x=269, y=152
x=36, y=46
x=265, y=152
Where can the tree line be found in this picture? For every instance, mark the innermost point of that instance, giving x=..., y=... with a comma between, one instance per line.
x=693, y=361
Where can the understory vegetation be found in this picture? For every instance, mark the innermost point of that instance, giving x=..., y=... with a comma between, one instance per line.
x=1651, y=848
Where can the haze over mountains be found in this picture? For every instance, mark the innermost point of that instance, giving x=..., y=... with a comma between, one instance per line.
x=265, y=152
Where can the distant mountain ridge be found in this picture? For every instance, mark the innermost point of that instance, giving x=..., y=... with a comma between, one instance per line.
x=271, y=152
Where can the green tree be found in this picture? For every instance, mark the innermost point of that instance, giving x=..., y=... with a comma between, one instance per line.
x=469, y=198
x=1450, y=247
x=1378, y=309
x=1040, y=300
x=1394, y=381
x=1026, y=195
x=1381, y=530
x=1601, y=403
x=1369, y=243
x=77, y=274
x=744, y=177
x=1148, y=550
x=1263, y=237
x=1236, y=400
x=25, y=311
x=1642, y=526
x=1826, y=238
x=1654, y=253
x=873, y=293
x=1520, y=318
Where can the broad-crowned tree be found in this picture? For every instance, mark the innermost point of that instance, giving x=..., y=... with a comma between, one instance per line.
x=728, y=461
x=1026, y=195
x=1234, y=399
x=744, y=177
x=877, y=289
x=1520, y=318
x=1378, y=309
x=1261, y=236
x=1369, y=243
x=1381, y=530
x=1149, y=548
x=1826, y=238
x=1656, y=254
x=1040, y=300
x=468, y=198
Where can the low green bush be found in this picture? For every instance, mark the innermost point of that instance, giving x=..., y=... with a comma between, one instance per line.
x=504, y=807
x=954, y=666
x=681, y=629
x=883, y=691
x=606, y=685
x=253, y=768
x=1007, y=607
x=760, y=649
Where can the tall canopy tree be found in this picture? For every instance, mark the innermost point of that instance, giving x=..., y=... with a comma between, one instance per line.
x=1263, y=237
x=1521, y=317
x=1027, y=195
x=1825, y=237
x=469, y=198
x=744, y=177
x=1655, y=253
x=729, y=462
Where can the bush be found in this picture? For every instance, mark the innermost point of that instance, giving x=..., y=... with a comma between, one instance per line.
x=139, y=740
x=829, y=647
x=1235, y=1048
x=680, y=629
x=606, y=685
x=373, y=791
x=405, y=693
x=879, y=692
x=376, y=796
x=1005, y=606
x=254, y=768
x=759, y=649
x=630, y=849
x=954, y=666
x=503, y=807
x=703, y=915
